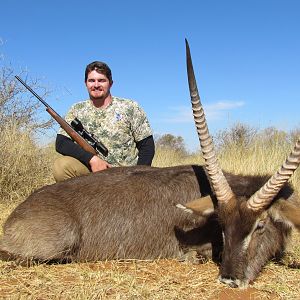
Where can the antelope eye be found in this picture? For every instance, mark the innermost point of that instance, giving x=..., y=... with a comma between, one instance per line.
x=260, y=225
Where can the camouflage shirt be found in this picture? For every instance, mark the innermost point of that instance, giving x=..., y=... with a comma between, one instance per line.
x=118, y=126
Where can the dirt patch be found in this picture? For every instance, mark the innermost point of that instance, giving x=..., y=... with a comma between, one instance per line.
x=246, y=294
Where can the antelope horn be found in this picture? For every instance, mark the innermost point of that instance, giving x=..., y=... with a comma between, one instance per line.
x=219, y=182
x=264, y=196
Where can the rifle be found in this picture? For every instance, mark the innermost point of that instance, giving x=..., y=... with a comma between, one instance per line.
x=76, y=131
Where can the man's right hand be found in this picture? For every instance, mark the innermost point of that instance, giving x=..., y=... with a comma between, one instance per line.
x=97, y=164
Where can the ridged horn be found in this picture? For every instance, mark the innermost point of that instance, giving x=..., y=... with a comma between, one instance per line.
x=264, y=196
x=219, y=182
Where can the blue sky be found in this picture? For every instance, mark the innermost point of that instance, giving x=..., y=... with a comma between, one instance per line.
x=246, y=56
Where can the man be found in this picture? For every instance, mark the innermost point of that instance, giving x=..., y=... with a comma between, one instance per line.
x=120, y=124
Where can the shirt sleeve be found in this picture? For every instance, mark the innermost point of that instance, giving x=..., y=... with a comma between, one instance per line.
x=146, y=150
x=140, y=125
x=66, y=146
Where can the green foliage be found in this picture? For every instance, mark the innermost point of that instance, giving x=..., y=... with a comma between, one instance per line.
x=171, y=142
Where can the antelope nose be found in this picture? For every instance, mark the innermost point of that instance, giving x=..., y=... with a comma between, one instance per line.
x=230, y=281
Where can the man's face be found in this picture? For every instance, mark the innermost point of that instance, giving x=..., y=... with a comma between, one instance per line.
x=98, y=85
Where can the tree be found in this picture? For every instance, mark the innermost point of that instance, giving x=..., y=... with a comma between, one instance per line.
x=172, y=142
x=17, y=106
x=24, y=165
x=239, y=134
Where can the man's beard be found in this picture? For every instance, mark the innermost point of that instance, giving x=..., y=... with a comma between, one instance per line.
x=99, y=98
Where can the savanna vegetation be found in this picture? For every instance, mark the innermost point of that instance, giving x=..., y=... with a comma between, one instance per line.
x=26, y=166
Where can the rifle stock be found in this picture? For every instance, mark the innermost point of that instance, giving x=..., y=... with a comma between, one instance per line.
x=63, y=124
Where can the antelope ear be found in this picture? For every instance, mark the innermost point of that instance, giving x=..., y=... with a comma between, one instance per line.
x=201, y=206
x=286, y=212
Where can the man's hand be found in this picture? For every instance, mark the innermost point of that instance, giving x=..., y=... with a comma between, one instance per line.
x=97, y=164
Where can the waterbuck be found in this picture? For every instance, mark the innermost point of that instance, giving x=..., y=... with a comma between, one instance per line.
x=147, y=213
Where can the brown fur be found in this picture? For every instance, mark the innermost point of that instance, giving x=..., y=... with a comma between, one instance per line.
x=251, y=239
x=119, y=213
x=132, y=213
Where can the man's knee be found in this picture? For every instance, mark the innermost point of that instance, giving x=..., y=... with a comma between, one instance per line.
x=66, y=167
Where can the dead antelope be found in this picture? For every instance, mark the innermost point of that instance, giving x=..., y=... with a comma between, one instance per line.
x=147, y=213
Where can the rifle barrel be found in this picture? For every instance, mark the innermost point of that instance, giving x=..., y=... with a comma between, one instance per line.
x=69, y=130
x=33, y=92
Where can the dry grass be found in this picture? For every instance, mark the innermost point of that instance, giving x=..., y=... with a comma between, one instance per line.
x=159, y=279
x=168, y=158
x=259, y=158
x=25, y=167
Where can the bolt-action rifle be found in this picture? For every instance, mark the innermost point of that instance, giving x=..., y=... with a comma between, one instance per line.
x=76, y=131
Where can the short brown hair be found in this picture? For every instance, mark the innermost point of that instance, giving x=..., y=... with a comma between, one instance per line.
x=100, y=67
